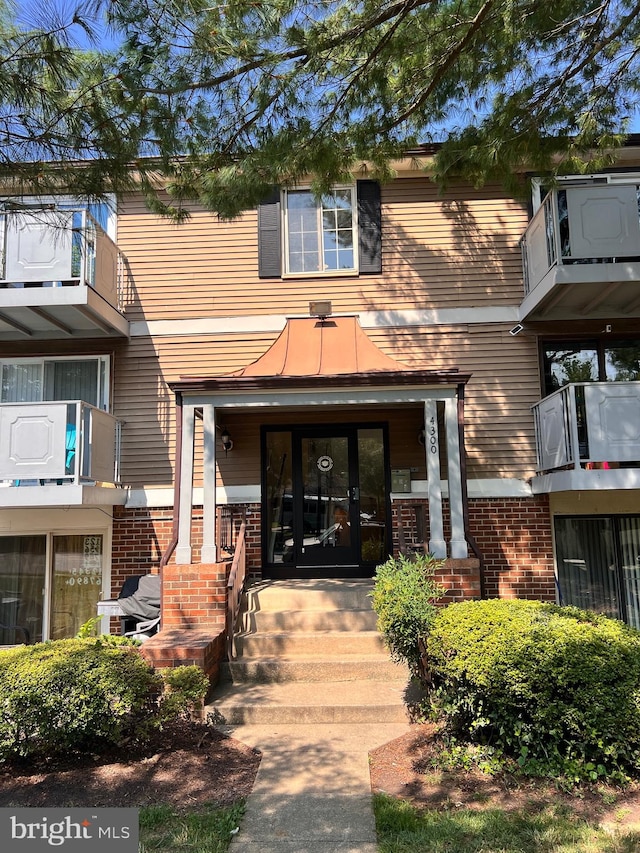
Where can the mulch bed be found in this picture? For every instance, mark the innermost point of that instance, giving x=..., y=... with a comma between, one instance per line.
x=186, y=766
x=406, y=768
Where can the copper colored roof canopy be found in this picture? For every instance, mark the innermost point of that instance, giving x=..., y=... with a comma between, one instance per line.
x=321, y=347
x=321, y=352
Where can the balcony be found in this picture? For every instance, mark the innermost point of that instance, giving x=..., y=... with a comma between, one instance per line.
x=581, y=255
x=59, y=278
x=65, y=453
x=588, y=437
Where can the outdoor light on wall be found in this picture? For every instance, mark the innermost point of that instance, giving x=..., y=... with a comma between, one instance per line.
x=226, y=440
x=321, y=310
x=421, y=437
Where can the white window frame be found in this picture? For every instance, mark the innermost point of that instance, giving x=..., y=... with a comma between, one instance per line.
x=322, y=273
x=103, y=364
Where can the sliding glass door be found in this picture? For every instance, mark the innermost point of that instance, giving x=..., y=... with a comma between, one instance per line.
x=598, y=564
x=49, y=586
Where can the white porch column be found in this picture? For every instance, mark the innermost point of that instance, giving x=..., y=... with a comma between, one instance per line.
x=183, y=548
x=458, y=542
x=209, y=545
x=437, y=545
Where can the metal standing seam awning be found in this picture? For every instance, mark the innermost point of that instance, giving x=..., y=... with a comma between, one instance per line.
x=321, y=362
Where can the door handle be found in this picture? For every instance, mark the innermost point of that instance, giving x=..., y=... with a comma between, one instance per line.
x=354, y=494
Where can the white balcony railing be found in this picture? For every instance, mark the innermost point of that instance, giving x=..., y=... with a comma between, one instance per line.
x=55, y=248
x=589, y=425
x=589, y=224
x=61, y=442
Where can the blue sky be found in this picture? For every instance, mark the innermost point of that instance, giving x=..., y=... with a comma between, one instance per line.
x=45, y=12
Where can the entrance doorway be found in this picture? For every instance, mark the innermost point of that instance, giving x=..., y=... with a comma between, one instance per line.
x=325, y=501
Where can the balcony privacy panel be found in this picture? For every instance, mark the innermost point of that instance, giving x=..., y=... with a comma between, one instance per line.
x=38, y=246
x=32, y=442
x=603, y=221
x=613, y=411
x=552, y=430
x=537, y=256
x=106, y=273
x=102, y=438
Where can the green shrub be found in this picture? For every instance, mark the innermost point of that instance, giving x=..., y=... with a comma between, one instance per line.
x=71, y=695
x=185, y=688
x=404, y=595
x=557, y=688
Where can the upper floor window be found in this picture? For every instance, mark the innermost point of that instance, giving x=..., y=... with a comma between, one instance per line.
x=600, y=360
x=339, y=233
x=35, y=380
x=320, y=233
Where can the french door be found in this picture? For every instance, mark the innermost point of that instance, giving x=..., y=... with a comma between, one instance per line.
x=326, y=501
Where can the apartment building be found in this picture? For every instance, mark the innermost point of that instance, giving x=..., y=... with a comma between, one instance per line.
x=383, y=367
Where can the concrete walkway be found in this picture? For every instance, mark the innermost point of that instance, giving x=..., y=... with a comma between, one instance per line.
x=312, y=793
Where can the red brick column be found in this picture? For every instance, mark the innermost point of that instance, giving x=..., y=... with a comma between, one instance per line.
x=194, y=596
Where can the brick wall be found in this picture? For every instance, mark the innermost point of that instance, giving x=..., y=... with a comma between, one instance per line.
x=513, y=536
x=194, y=596
x=253, y=538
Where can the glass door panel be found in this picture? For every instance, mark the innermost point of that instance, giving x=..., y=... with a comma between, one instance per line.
x=630, y=561
x=373, y=496
x=587, y=570
x=77, y=583
x=324, y=533
x=278, y=495
x=22, y=588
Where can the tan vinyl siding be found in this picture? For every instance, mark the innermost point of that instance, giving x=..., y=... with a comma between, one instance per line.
x=439, y=251
x=499, y=423
x=504, y=384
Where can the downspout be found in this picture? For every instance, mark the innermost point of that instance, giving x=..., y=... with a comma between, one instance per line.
x=171, y=547
x=465, y=497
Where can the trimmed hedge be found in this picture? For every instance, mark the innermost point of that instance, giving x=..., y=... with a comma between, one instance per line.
x=72, y=695
x=555, y=687
x=404, y=597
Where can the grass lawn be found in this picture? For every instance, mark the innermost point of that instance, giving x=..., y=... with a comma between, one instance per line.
x=403, y=828
x=201, y=831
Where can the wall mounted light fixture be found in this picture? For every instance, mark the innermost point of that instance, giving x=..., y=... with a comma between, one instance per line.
x=226, y=440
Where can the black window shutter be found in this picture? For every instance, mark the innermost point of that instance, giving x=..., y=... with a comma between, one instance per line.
x=269, y=241
x=369, y=227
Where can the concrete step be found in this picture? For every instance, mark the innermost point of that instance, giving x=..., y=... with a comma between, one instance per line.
x=329, y=644
x=312, y=669
x=273, y=621
x=314, y=594
x=305, y=702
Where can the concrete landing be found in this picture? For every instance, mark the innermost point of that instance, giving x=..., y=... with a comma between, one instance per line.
x=314, y=690
x=313, y=791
